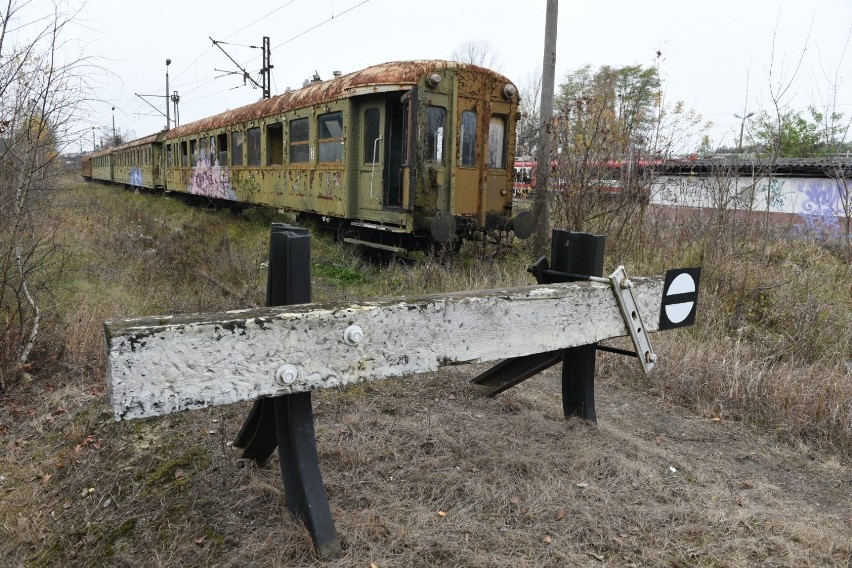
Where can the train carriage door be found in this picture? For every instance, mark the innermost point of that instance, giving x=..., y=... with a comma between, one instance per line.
x=371, y=184
x=399, y=131
x=470, y=170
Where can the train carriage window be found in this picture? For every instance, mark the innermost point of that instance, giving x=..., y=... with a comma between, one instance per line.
x=184, y=154
x=330, y=137
x=212, y=154
x=275, y=144
x=371, y=134
x=193, y=153
x=169, y=157
x=222, y=146
x=468, y=139
x=497, y=142
x=254, y=146
x=237, y=148
x=435, y=134
x=299, y=137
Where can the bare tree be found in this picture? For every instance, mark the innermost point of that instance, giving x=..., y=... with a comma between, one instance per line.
x=477, y=52
x=611, y=127
x=41, y=92
x=529, y=122
x=835, y=130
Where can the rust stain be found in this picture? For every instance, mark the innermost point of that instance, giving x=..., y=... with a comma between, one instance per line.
x=404, y=74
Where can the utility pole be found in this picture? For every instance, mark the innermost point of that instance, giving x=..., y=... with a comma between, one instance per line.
x=742, y=128
x=114, y=140
x=168, y=119
x=548, y=75
x=176, y=101
x=264, y=71
x=267, y=67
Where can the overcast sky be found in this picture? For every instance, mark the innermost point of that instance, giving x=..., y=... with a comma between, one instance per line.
x=715, y=55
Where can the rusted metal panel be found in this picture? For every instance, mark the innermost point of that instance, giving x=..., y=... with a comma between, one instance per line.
x=139, y=142
x=378, y=78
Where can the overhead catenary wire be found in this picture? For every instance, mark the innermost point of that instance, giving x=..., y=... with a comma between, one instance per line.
x=203, y=82
x=297, y=36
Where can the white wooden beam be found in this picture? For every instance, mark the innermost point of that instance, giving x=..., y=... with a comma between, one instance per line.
x=160, y=365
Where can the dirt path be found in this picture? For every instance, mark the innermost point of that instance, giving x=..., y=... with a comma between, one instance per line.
x=421, y=472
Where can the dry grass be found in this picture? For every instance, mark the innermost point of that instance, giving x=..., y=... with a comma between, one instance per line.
x=516, y=483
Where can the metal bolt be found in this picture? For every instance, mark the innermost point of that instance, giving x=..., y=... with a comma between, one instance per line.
x=627, y=283
x=651, y=357
x=353, y=335
x=286, y=374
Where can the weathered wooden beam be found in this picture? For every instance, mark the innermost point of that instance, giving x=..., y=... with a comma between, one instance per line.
x=161, y=365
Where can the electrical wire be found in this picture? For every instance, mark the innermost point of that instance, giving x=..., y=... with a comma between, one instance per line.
x=259, y=19
x=321, y=24
x=208, y=80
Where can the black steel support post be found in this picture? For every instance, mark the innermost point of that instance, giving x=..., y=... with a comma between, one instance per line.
x=579, y=254
x=575, y=256
x=287, y=421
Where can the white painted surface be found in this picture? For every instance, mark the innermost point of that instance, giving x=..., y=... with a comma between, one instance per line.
x=809, y=197
x=682, y=284
x=160, y=365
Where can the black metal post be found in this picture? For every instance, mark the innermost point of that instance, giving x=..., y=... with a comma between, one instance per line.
x=575, y=256
x=579, y=254
x=287, y=421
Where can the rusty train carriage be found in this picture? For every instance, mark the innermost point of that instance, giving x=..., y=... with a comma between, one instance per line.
x=401, y=154
x=138, y=163
x=101, y=165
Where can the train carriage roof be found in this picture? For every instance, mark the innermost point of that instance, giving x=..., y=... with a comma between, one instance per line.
x=139, y=142
x=127, y=145
x=396, y=75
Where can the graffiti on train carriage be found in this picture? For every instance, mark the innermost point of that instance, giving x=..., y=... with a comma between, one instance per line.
x=398, y=156
x=209, y=178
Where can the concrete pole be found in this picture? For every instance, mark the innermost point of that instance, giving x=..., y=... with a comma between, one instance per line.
x=548, y=74
x=168, y=118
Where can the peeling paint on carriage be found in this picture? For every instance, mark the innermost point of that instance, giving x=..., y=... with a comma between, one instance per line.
x=387, y=77
x=383, y=153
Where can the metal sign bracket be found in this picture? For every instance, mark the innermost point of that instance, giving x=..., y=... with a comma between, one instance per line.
x=622, y=288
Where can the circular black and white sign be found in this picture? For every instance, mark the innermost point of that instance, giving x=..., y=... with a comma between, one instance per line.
x=680, y=298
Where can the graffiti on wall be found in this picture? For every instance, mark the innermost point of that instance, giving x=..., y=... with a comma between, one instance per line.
x=772, y=194
x=822, y=206
x=209, y=177
x=136, y=177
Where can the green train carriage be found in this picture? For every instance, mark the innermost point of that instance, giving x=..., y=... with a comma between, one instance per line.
x=139, y=163
x=400, y=154
x=101, y=165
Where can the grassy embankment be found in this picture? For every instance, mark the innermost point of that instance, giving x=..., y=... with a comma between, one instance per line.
x=770, y=348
